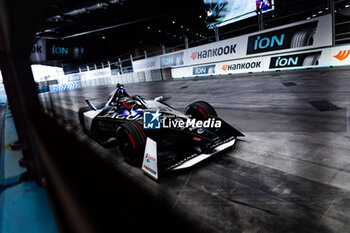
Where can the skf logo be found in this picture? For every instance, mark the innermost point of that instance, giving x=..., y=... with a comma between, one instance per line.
x=194, y=55
x=224, y=67
x=342, y=55
x=151, y=120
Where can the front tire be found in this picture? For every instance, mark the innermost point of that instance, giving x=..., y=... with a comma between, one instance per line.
x=200, y=110
x=131, y=141
x=81, y=117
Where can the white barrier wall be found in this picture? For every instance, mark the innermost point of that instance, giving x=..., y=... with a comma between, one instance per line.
x=304, y=35
x=300, y=45
x=315, y=58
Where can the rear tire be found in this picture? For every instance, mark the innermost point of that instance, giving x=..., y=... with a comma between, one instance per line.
x=200, y=110
x=131, y=141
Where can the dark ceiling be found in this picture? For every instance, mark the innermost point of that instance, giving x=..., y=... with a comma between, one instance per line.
x=122, y=25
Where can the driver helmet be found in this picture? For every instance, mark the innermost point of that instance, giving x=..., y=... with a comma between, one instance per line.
x=128, y=102
x=121, y=93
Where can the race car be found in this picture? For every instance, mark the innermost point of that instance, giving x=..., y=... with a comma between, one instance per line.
x=155, y=136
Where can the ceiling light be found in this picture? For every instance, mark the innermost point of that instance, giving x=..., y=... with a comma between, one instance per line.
x=182, y=26
x=347, y=6
x=103, y=37
x=148, y=27
x=187, y=29
x=173, y=22
x=320, y=12
x=200, y=16
x=160, y=30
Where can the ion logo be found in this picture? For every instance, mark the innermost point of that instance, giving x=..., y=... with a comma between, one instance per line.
x=286, y=38
x=263, y=43
x=59, y=50
x=290, y=61
x=295, y=60
x=172, y=60
x=151, y=120
x=342, y=55
x=204, y=70
x=167, y=61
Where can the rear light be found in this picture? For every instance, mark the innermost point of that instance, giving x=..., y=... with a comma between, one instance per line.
x=197, y=139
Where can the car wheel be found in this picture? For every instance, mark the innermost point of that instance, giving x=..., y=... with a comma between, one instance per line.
x=81, y=117
x=200, y=110
x=131, y=141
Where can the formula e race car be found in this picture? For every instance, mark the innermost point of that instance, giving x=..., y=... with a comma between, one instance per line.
x=153, y=135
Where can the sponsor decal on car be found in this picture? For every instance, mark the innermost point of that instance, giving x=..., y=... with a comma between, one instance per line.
x=113, y=114
x=150, y=164
x=149, y=158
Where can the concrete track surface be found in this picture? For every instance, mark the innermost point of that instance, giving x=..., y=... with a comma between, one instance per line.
x=291, y=173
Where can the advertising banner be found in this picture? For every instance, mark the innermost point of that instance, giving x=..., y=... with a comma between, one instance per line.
x=240, y=66
x=295, y=60
x=307, y=34
x=55, y=50
x=199, y=70
x=326, y=57
x=38, y=53
x=146, y=64
x=174, y=59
